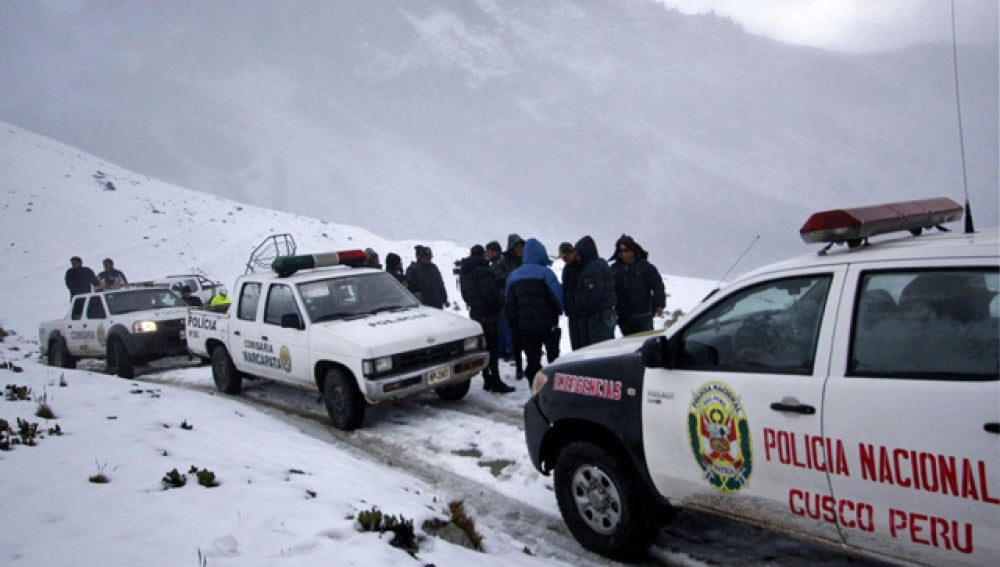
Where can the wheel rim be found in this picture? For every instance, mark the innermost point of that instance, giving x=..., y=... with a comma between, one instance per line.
x=336, y=402
x=221, y=372
x=597, y=500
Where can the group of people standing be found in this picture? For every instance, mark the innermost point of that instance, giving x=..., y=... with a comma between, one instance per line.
x=519, y=289
x=517, y=299
x=81, y=279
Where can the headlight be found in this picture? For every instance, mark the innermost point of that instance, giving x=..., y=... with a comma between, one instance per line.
x=540, y=379
x=470, y=344
x=144, y=327
x=378, y=366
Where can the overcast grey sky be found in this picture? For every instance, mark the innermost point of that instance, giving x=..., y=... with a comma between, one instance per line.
x=856, y=25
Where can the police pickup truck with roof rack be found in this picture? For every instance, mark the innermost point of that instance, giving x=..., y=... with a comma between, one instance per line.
x=355, y=334
x=127, y=326
x=850, y=397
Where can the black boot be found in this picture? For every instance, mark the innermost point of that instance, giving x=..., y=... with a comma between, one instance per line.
x=500, y=388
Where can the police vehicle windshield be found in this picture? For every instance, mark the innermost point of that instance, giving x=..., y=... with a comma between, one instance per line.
x=354, y=297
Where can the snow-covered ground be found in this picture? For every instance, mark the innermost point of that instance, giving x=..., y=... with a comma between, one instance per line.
x=290, y=487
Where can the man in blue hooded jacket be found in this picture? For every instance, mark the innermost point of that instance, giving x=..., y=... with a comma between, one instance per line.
x=534, y=300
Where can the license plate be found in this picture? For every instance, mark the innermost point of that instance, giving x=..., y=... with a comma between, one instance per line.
x=438, y=375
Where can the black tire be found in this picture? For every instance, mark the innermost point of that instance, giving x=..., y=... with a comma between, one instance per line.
x=454, y=392
x=601, y=502
x=228, y=379
x=119, y=358
x=59, y=356
x=344, y=402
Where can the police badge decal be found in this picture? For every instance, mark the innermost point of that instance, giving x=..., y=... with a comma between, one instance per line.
x=720, y=436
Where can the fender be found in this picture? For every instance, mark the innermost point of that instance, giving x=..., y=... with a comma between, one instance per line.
x=119, y=331
x=596, y=399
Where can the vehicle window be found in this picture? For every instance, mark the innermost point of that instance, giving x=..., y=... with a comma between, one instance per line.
x=280, y=302
x=337, y=298
x=77, y=311
x=930, y=325
x=141, y=299
x=771, y=327
x=249, y=298
x=95, y=308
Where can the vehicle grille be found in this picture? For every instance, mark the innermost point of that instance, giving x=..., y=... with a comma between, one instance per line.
x=424, y=357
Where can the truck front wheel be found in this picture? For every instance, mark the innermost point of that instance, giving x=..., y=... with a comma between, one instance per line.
x=227, y=378
x=121, y=363
x=343, y=400
x=601, y=501
x=59, y=356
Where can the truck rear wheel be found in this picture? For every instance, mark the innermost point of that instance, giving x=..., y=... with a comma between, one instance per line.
x=343, y=400
x=601, y=501
x=120, y=360
x=454, y=392
x=227, y=378
x=59, y=356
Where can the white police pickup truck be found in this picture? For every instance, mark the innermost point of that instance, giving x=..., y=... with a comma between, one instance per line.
x=850, y=397
x=355, y=334
x=126, y=326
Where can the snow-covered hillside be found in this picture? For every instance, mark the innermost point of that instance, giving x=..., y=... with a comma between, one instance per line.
x=468, y=120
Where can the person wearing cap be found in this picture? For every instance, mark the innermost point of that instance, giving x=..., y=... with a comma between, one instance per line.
x=425, y=279
x=594, y=297
x=111, y=277
x=79, y=278
x=482, y=294
x=638, y=285
x=534, y=302
x=570, y=276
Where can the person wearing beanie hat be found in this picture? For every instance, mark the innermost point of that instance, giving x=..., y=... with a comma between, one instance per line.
x=564, y=249
x=394, y=265
x=638, y=285
x=594, y=298
x=481, y=292
x=425, y=279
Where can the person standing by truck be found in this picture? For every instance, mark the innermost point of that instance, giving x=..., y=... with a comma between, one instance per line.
x=639, y=287
x=79, y=278
x=425, y=279
x=534, y=301
x=111, y=277
x=481, y=292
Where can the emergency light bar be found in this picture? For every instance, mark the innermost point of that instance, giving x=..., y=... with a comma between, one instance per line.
x=853, y=226
x=285, y=266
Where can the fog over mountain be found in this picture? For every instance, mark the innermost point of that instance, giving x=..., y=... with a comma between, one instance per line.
x=551, y=119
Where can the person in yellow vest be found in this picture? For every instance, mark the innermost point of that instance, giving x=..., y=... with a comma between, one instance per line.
x=220, y=298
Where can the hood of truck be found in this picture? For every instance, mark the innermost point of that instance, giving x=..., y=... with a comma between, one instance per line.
x=388, y=333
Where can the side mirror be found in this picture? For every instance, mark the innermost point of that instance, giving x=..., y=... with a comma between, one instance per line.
x=291, y=321
x=654, y=352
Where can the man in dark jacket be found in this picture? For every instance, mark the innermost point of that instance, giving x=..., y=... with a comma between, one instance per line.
x=595, y=296
x=509, y=261
x=79, y=278
x=482, y=294
x=570, y=276
x=425, y=279
x=534, y=301
x=639, y=287
x=111, y=277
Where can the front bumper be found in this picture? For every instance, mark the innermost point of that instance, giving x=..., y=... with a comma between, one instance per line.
x=536, y=425
x=419, y=380
x=168, y=340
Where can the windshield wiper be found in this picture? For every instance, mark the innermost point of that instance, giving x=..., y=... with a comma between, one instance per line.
x=344, y=315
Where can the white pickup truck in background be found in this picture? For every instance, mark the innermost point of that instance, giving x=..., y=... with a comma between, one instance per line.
x=201, y=287
x=126, y=326
x=354, y=334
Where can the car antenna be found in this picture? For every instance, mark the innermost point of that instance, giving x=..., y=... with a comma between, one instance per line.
x=726, y=275
x=969, y=226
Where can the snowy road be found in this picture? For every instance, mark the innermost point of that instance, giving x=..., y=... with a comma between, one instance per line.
x=474, y=450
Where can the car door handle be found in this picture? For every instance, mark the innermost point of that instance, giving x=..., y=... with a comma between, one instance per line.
x=992, y=427
x=804, y=409
x=236, y=332
x=263, y=338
